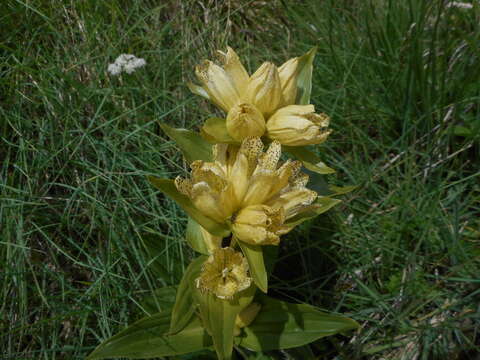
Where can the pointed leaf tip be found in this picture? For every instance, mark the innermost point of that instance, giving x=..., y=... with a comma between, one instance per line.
x=192, y=145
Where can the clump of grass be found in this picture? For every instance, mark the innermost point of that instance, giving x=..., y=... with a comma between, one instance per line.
x=399, y=79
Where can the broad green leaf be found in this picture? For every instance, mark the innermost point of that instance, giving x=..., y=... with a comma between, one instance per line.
x=146, y=339
x=167, y=186
x=309, y=159
x=162, y=299
x=192, y=145
x=198, y=239
x=321, y=205
x=254, y=255
x=218, y=317
x=304, y=77
x=184, y=301
x=282, y=325
x=215, y=131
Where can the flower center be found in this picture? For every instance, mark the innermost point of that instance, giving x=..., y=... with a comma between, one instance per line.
x=225, y=273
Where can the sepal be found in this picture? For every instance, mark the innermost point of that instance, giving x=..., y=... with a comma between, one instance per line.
x=321, y=205
x=215, y=131
x=256, y=264
x=309, y=159
x=304, y=77
x=192, y=145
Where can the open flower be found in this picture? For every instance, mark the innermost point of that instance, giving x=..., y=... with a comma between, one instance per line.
x=246, y=188
x=225, y=273
x=297, y=125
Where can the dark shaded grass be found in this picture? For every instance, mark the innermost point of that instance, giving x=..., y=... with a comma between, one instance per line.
x=398, y=79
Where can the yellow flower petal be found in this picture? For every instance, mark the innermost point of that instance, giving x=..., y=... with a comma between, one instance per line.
x=293, y=201
x=259, y=187
x=218, y=84
x=269, y=160
x=235, y=69
x=288, y=78
x=264, y=89
x=208, y=202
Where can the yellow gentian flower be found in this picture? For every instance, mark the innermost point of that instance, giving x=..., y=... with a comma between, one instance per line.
x=225, y=273
x=246, y=188
x=298, y=125
x=244, y=98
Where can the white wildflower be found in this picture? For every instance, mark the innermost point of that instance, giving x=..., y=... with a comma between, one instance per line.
x=126, y=63
x=460, y=5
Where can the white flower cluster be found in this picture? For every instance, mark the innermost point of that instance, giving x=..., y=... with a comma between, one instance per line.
x=460, y=5
x=126, y=63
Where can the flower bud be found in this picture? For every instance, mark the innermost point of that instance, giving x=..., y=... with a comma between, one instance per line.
x=288, y=78
x=264, y=89
x=298, y=125
x=259, y=225
x=245, y=120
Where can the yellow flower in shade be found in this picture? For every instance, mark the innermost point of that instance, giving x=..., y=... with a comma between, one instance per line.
x=298, y=125
x=225, y=273
x=246, y=188
x=244, y=120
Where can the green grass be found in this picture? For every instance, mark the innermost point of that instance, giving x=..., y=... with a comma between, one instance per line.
x=400, y=255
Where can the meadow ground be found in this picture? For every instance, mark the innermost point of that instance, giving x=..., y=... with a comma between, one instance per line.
x=401, y=82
